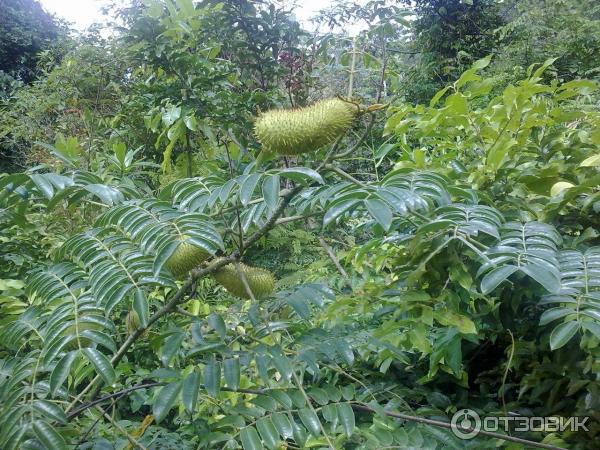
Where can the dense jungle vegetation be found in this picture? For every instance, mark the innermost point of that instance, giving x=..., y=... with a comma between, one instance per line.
x=183, y=268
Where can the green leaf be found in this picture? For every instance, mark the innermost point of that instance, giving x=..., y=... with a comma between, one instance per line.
x=61, y=371
x=319, y=395
x=310, y=421
x=346, y=415
x=268, y=432
x=216, y=322
x=247, y=188
x=282, y=363
x=553, y=314
x=563, y=334
x=283, y=425
x=301, y=174
x=592, y=327
x=250, y=439
x=50, y=411
x=165, y=400
x=542, y=275
x=189, y=393
x=190, y=122
x=48, y=436
x=339, y=209
x=281, y=397
x=496, y=276
x=231, y=370
x=380, y=211
x=102, y=365
x=270, y=191
x=212, y=377
x=438, y=95
x=140, y=306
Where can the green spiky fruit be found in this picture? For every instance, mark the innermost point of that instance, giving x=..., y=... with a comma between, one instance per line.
x=260, y=281
x=302, y=130
x=185, y=258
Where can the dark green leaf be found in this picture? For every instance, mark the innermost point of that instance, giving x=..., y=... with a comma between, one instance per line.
x=231, y=369
x=48, y=436
x=189, y=393
x=562, y=334
x=102, y=365
x=250, y=439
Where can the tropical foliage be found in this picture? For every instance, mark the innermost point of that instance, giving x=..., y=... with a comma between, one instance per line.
x=434, y=256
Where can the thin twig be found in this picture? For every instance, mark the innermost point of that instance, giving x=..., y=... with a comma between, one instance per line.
x=437, y=423
x=334, y=259
x=133, y=441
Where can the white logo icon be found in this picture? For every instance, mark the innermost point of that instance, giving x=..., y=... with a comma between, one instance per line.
x=466, y=424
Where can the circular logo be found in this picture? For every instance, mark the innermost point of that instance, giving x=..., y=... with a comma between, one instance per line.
x=465, y=424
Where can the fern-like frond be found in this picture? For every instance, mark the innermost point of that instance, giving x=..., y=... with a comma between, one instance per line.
x=577, y=303
x=530, y=248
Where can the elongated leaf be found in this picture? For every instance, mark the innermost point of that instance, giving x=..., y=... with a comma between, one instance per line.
x=562, y=334
x=268, y=432
x=250, y=439
x=189, y=393
x=496, y=276
x=247, y=188
x=346, y=415
x=50, y=411
x=102, y=365
x=310, y=421
x=165, y=400
x=542, y=275
x=216, y=322
x=212, y=378
x=231, y=369
x=61, y=371
x=380, y=211
x=48, y=436
x=335, y=212
x=270, y=190
x=140, y=306
x=301, y=174
x=283, y=425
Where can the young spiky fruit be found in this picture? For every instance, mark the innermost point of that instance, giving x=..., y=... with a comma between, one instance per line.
x=260, y=281
x=302, y=130
x=185, y=258
x=132, y=321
